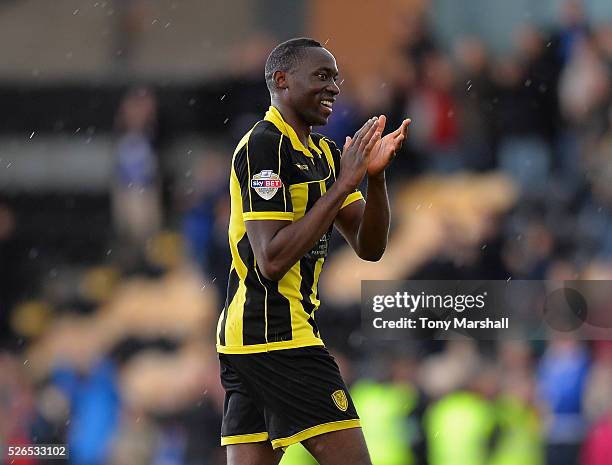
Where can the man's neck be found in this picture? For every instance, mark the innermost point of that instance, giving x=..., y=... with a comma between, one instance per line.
x=301, y=129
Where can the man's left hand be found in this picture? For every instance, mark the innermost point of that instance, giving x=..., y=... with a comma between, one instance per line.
x=385, y=149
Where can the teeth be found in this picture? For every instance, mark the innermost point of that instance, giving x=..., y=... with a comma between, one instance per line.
x=327, y=103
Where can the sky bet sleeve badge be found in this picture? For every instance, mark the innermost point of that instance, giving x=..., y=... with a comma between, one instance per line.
x=266, y=184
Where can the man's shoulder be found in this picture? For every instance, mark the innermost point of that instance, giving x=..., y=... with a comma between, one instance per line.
x=263, y=133
x=260, y=143
x=264, y=129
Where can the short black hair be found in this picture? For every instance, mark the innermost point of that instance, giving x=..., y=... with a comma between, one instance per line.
x=285, y=57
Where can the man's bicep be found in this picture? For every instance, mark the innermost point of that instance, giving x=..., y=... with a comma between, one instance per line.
x=261, y=233
x=349, y=219
x=263, y=184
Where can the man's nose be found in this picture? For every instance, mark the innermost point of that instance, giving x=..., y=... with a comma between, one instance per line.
x=333, y=88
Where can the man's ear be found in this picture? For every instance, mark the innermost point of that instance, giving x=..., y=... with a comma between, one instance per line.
x=280, y=78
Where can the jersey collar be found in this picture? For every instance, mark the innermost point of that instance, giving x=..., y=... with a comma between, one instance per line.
x=274, y=116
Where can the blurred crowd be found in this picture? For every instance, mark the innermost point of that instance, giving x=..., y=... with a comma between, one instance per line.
x=504, y=176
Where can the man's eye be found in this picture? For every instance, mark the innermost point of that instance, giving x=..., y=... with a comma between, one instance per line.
x=322, y=76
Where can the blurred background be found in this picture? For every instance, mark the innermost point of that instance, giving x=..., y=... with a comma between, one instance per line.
x=118, y=119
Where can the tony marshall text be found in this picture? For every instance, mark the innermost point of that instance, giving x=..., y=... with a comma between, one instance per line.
x=428, y=323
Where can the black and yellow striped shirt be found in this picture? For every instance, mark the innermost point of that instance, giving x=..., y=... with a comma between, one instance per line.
x=274, y=177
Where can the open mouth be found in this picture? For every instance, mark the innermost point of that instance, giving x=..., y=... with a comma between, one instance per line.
x=327, y=104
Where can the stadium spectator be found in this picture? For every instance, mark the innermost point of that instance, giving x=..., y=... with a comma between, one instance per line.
x=562, y=377
x=474, y=91
x=136, y=191
x=461, y=426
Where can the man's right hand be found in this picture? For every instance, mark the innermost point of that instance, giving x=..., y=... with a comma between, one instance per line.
x=356, y=155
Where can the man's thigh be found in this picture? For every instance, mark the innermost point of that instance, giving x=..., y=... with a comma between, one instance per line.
x=339, y=448
x=257, y=453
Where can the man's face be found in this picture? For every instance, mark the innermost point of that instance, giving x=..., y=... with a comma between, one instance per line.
x=312, y=87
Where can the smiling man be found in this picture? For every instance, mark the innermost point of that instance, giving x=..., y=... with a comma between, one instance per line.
x=289, y=187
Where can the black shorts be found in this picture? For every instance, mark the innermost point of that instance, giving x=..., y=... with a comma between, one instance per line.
x=283, y=396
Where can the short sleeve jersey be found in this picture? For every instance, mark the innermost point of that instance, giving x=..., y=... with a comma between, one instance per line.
x=274, y=177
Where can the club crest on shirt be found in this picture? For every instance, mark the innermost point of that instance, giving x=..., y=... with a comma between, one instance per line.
x=266, y=183
x=339, y=398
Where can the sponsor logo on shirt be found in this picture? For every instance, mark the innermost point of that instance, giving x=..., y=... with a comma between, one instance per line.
x=266, y=184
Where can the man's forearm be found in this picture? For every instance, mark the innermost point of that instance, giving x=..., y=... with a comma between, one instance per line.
x=374, y=227
x=292, y=242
